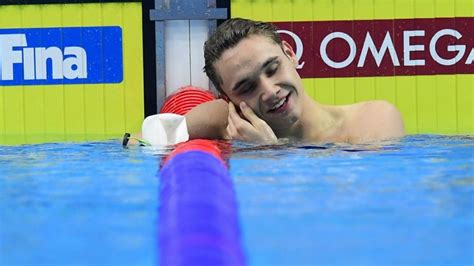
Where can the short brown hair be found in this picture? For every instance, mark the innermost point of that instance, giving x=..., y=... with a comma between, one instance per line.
x=228, y=35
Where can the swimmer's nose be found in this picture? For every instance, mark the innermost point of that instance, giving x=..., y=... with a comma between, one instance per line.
x=269, y=91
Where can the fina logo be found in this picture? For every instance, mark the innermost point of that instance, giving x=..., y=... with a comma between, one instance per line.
x=49, y=56
x=34, y=60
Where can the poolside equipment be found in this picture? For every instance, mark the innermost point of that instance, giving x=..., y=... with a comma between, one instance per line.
x=127, y=137
x=169, y=126
x=185, y=98
x=165, y=129
x=198, y=213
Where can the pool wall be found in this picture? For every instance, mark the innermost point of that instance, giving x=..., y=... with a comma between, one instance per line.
x=54, y=101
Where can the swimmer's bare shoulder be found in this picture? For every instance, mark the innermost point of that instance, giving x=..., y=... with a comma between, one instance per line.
x=374, y=121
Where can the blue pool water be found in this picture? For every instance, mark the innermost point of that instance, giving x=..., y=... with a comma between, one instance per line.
x=408, y=202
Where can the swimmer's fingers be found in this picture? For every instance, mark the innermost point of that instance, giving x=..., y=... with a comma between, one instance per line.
x=231, y=131
x=237, y=125
x=251, y=116
x=261, y=126
x=253, y=130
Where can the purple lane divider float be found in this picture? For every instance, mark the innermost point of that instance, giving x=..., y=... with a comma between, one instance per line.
x=198, y=214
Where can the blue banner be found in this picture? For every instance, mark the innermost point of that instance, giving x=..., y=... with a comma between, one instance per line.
x=71, y=55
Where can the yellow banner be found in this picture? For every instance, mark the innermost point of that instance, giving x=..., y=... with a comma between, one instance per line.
x=35, y=112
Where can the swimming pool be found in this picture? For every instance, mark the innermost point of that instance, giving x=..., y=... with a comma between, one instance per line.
x=408, y=202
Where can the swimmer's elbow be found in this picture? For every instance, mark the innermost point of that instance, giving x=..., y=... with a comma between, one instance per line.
x=208, y=120
x=393, y=120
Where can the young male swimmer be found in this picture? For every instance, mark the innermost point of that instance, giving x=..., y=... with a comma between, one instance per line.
x=255, y=71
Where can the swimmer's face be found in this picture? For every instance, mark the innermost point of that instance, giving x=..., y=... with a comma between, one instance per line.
x=263, y=74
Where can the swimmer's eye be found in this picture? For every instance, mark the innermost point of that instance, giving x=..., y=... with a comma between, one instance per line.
x=272, y=69
x=247, y=89
x=251, y=85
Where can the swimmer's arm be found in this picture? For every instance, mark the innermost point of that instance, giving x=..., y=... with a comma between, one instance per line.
x=208, y=120
x=248, y=127
x=391, y=122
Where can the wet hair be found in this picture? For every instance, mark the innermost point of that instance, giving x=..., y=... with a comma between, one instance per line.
x=227, y=36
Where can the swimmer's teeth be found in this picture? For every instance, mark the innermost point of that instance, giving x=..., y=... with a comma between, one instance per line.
x=282, y=101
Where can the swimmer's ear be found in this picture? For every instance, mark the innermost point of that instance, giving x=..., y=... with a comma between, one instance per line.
x=288, y=50
x=224, y=97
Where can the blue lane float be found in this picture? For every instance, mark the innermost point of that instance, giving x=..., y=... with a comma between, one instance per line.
x=198, y=213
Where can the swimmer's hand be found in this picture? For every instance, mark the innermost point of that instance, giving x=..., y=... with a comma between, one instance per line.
x=253, y=129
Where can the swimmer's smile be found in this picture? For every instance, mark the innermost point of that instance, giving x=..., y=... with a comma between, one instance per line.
x=281, y=106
